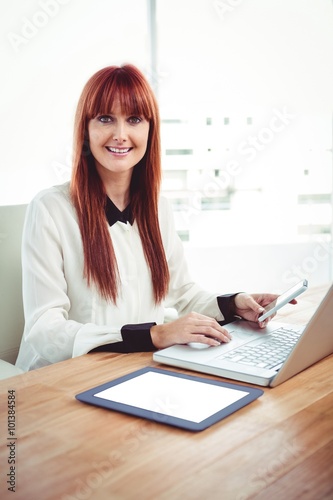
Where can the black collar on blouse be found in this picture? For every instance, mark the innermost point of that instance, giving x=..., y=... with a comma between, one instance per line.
x=113, y=214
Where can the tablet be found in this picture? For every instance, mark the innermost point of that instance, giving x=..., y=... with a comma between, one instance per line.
x=186, y=401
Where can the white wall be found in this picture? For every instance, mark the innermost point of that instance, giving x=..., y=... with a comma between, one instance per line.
x=49, y=49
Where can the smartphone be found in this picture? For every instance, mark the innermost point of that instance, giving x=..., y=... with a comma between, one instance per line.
x=284, y=298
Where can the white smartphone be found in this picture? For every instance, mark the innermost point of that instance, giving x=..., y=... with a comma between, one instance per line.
x=284, y=298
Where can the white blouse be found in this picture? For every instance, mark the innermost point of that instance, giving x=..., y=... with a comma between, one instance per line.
x=64, y=317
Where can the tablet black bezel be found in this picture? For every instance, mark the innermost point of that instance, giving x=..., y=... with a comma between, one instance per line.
x=250, y=394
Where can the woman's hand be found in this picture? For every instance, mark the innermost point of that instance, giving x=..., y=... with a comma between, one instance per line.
x=250, y=307
x=193, y=327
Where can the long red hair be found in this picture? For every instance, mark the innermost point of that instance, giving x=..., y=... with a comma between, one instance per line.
x=136, y=98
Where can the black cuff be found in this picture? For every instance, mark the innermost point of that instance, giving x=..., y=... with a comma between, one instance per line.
x=136, y=338
x=226, y=304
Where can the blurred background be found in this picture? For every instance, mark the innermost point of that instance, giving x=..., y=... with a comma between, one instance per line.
x=245, y=94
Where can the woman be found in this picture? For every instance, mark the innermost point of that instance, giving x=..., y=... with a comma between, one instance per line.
x=101, y=257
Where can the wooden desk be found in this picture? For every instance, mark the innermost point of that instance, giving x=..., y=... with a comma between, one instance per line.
x=278, y=447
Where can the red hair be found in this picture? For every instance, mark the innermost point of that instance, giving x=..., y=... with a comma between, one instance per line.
x=136, y=98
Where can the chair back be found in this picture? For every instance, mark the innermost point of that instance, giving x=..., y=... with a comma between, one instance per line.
x=11, y=306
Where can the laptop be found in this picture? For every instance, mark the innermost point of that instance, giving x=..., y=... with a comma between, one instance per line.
x=265, y=357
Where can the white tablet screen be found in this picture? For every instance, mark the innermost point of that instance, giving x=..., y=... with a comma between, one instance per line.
x=174, y=396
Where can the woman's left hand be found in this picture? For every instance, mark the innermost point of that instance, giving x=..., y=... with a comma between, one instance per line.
x=250, y=307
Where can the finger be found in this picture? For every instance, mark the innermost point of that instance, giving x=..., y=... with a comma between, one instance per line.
x=252, y=304
x=262, y=324
x=257, y=308
x=212, y=323
x=220, y=334
x=209, y=327
x=203, y=339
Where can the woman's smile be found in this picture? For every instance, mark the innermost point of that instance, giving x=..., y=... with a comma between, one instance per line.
x=118, y=151
x=117, y=141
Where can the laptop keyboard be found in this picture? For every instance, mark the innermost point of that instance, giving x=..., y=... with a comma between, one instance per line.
x=269, y=352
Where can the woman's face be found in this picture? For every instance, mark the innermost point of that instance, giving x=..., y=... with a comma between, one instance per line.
x=117, y=141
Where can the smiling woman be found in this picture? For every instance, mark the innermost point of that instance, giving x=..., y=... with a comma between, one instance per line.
x=118, y=142
x=101, y=257
x=118, y=108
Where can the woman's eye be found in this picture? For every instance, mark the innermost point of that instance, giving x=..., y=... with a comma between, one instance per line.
x=105, y=119
x=135, y=119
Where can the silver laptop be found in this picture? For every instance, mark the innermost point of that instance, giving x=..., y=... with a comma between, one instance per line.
x=265, y=357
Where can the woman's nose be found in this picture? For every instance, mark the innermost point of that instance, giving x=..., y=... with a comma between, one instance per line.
x=119, y=132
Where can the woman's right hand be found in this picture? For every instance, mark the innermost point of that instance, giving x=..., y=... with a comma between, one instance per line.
x=193, y=327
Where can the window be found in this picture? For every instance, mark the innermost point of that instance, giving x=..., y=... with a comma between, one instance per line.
x=246, y=88
x=245, y=97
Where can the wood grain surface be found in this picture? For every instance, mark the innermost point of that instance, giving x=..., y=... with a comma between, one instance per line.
x=278, y=447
